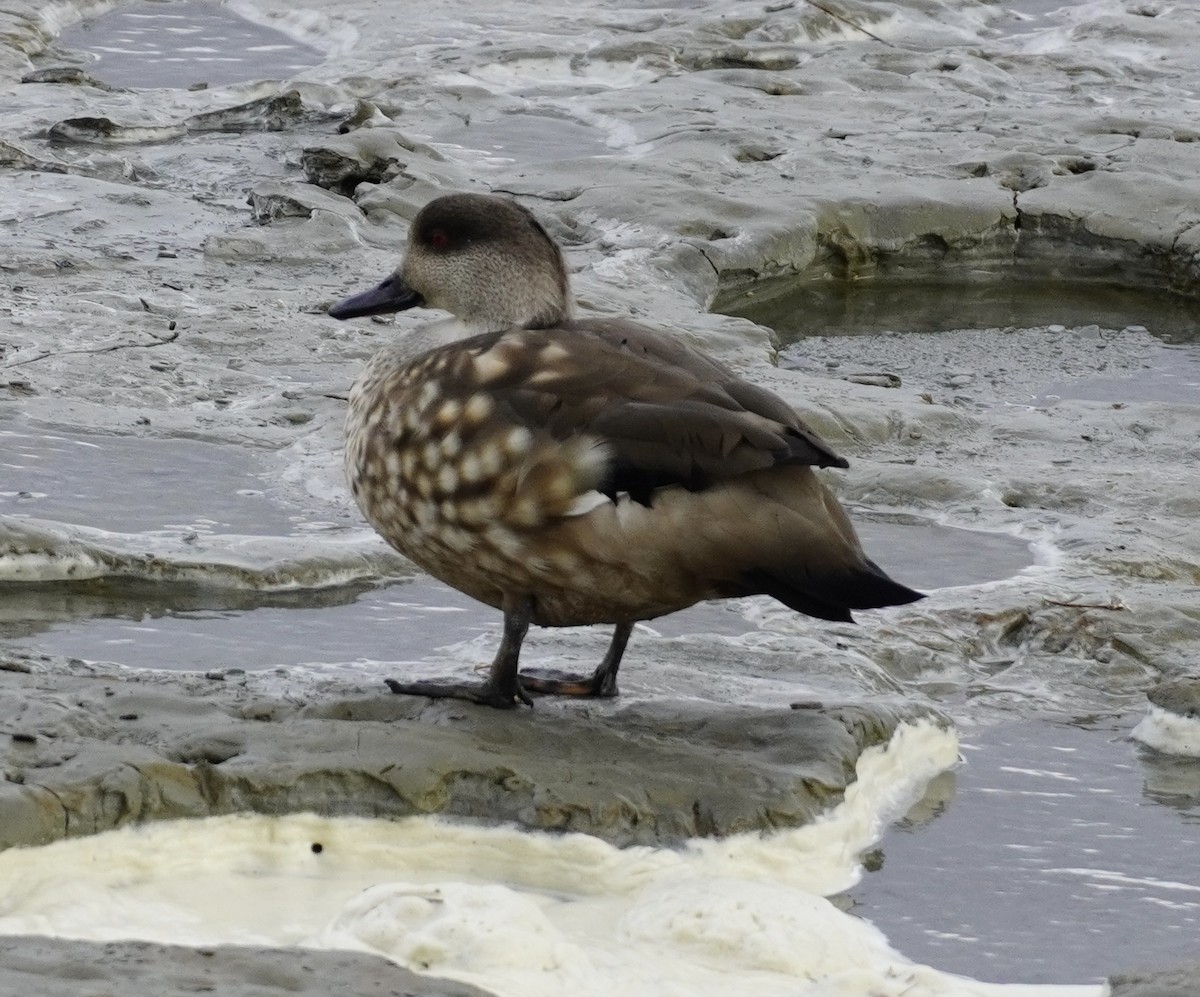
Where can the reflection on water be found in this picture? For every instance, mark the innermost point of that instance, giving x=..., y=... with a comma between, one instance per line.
x=181, y=43
x=868, y=307
x=1065, y=821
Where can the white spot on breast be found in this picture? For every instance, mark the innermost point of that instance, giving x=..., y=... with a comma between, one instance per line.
x=392, y=464
x=447, y=479
x=447, y=413
x=479, y=510
x=431, y=455
x=429, y=393
x=394, y=424
x=491, y=459
x=425, y=515
x=458, y=540
x=525, y=512
x=506, y=542
x=451, y=444
x=469, y=468
x=478, y=407
x=490, y=366
x=517, y=441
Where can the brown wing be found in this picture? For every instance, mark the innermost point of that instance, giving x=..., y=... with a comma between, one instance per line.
x=668, y=413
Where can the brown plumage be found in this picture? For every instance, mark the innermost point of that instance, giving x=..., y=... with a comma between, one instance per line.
x=580, y=471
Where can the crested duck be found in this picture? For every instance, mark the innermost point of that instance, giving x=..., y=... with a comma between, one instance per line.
x=577, y=471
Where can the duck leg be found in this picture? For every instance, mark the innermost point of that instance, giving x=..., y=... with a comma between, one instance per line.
x=502, y=689
x=602, y=683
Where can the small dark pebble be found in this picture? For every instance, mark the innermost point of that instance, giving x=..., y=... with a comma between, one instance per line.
x=25, y=738
x=807, y=704
x=128, y=716
x=872, y=861
x=317, y=847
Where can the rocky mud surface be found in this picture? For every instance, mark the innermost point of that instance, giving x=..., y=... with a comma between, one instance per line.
x=169, y=255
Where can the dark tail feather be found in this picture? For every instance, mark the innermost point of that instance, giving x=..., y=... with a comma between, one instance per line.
x=831, y=596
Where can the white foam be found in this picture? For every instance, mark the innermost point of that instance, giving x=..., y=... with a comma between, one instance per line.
x=514, y=912
x=1170, y=733
x=332, y=35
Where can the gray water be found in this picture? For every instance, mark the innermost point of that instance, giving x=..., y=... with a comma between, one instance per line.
x=181, y=43
x=131, y=485
x=869, y=307
x=1058, y=853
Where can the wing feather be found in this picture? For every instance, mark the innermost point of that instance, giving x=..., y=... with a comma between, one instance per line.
x=668, y=413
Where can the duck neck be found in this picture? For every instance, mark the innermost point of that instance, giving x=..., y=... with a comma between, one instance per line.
x=531, y=313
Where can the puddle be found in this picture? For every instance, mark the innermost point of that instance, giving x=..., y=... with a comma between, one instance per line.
x=1015, y=343
x=986, y=368
x=141, y=626
x=1172, y=375
x=144, y=625
x=142, y=486
x=1065, y=821
x=178, y=44
x=927, y=556
x=870, y=307
x=520, y=137
x=128, y=484
x=1025, y=17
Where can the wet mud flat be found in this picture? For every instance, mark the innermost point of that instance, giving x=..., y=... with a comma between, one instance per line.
x=684, y=159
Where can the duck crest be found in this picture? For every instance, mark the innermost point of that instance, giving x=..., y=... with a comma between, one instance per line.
x=580, y=471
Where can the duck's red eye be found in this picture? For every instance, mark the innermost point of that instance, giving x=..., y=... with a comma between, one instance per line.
x=438, y=239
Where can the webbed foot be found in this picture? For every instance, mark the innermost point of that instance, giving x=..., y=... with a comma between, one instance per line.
x=486, y=694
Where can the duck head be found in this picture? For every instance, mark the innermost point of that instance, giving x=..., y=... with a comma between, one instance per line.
x=483, y=258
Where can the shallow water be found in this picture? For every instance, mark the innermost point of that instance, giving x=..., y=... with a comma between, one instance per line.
x=199, y=487
x=183, y=42
x=1057, y=853
x=1172, y=375
x=1023, y=17
x=513, y=137
x=1036, y=367
x=869, y=307
x=132, y=485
